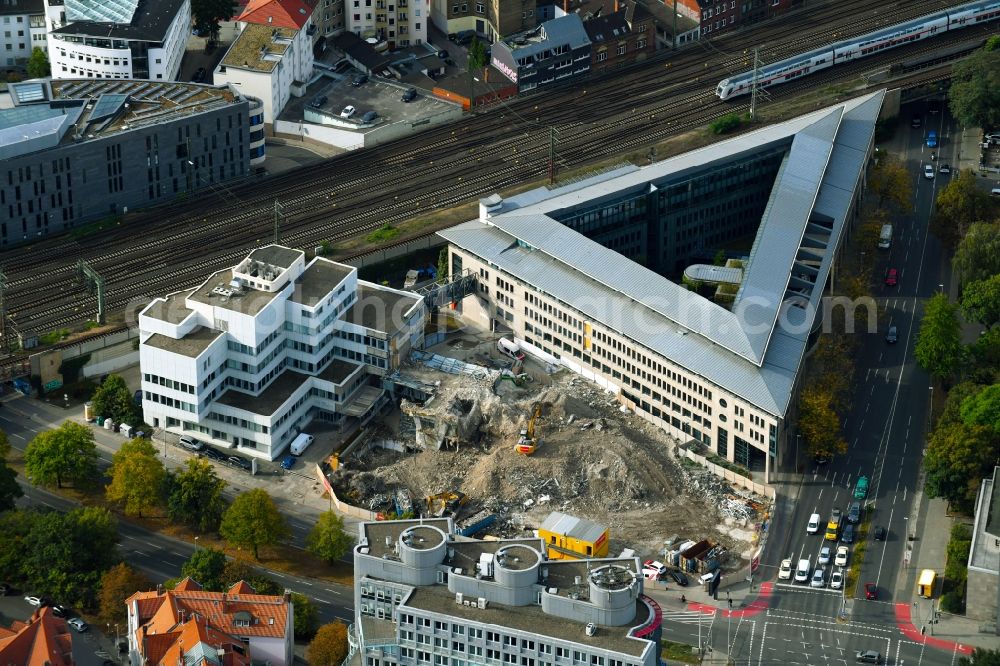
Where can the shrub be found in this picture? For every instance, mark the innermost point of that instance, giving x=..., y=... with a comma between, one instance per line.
x=726, y=123
x=952, y=602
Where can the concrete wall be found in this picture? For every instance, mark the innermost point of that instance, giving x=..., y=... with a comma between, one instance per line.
x=981, y=596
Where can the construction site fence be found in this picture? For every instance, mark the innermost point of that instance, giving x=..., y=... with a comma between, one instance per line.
x=343, y=507
x=728, y=474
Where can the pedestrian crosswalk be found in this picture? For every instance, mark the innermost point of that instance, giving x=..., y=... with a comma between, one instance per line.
x=688, y=617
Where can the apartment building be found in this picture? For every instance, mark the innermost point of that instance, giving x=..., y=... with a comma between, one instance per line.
x=397, y=23
x=424, y=595
x=621, y=37
x=132, y=39
x=23, y=28
x=717, y=16
x=251, y=356
x=572, y=275
x=329, y=19
x=491, y=19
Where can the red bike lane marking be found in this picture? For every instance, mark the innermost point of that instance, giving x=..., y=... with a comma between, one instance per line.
x=755, y=607
x=905, y=624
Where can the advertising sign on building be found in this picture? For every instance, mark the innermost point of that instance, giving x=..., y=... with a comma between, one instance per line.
x=506, y=69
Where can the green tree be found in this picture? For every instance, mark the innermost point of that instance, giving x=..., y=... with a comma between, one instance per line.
x=819, y=423
x=329, y=647
x=38, y=64
x=327, y=540
x=980, y=657
x=306, y=617
x=891, y=182
x=208, y=13
x=196, y=496
x=15, y=526
x=67, y=453
x=113, y=400
x=253, y=521
x=442, y=268
x=992, y=43
x=958, y=206
x=476, y=62
x=978, y=254
x=137, y=477
x=939, y=342
x=239, y=569
x=983, y=408
x=118, y=584
x=974, y=97
x=207, y=566
x=958, y=457
x=984, y=358
x=981, y=301
x=10, y=491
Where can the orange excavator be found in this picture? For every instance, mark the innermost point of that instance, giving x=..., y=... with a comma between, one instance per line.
x=527, y=443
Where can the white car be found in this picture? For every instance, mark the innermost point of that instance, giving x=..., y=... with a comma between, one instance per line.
x=818, y=578
x=33, y=600
x=836, y=580
x=78, y=624
x=929, y=172
x=824, y=555
x=802, y=571
x=785, y=571
x=348, y=111
x=653, y=569
x=841, y=559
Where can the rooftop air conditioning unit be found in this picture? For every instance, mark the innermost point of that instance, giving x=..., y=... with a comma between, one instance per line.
x=458, y=597
x=591, y=629
x=481, y=602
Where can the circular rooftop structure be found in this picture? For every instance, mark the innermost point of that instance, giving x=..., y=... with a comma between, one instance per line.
x=422, y=537
x=517, y=558
x=612, y=577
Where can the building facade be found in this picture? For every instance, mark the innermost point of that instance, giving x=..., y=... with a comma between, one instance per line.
x=22, y=23
x=329, y=19
x=136, y=39
x=424, y=595
x=491, y=19
x=715, y=17
x=559, y=51
x=67, y=145
x=571, y=275
x=397, y=23
x=255, y=353
x=622, y=37
x=983, y=589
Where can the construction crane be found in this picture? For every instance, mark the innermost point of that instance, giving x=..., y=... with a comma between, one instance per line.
x=527, y=443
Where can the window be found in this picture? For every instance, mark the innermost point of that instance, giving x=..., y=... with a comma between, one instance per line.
x=621, y=49
x=480, y=9
x=602, y=56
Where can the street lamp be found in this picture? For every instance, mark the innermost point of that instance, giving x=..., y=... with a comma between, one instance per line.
x=941, y=288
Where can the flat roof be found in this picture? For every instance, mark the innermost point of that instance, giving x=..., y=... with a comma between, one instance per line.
x=272, y=397
x=317, y=281
x=572, y=526
x=150, y=22
x=276, y=255
x=249, y=301
x=465, y=552
x=377, y=532
x=337, y=371
x=171, y=309
x=191, y=345
x=257, y=47
x=985, y=553
x=380, y=309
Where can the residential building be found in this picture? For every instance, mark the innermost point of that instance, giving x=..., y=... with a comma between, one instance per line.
x=425, y=595
x=44, y=640
x=623, y=36
x=252, y=355
x=132, y=39
x=983, y=590
x=717, y=16
x=22, y=23
x=577, y=276
x=492, y=20
x=191, y=626
x=272, y=57
x=67, y=145
x=560, y=50
x=329, y=19
x=395, y=23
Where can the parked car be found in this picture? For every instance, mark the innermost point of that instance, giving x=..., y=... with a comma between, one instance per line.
x=880, y=533
x=348, y=111
x=945, y=168
x=318, y=101
x=410, y=94
x=818, y=578
x=359, y=80
x=892, y=277
x=239, y=461
x=191, y=444
x=213, y=454
x=824, y=555
x=892, y=335
x=78, y=624
x=841, y=558
x=288, y=461
x=929, y=171
x=836, y=580
x=33, y=600
x=871, y=591
x=785, y=570
x=61, y=611
x=654, y=568
x=868, y=657
x=678, y=577
x=369, y=117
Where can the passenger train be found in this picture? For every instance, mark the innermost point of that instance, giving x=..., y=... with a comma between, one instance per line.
x=838, y=53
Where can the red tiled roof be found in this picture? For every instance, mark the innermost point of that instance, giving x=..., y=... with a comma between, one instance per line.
x=241, y=587
x=44, y=640
x=188, y=585
x=278, y=13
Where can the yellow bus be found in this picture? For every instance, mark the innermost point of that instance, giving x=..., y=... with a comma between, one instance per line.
x=925, y=584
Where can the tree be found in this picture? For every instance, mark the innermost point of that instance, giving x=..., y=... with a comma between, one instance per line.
x=476, y=61
x=253, y=521
x=958, y=206
x=118, y=584
x=113, y=400
x=67, y=453
x=983, y=408
x=10, y=491
x=819, y=423
x=891, y=181
x=939, y=342
x=984, y=358
x=306, y=617
x=978, y=254
x=208, y=13
x=981, y=301
x=327, y=540
x=206, y=566
x=196, y=496
x=974, y=97
x=330, y=647
x=958, y=458
x=38, y=64
x=15, y=526
x=136, y=477
x=442, y=268
x=980, y=657
x=239, y=569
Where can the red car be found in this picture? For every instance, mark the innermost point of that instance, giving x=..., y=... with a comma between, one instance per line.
x=871, y=591
x=891, y=277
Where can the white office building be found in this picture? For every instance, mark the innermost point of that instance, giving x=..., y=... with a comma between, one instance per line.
x=425, y=595
x=252, y=355
x=126, y=39
x=22, y=28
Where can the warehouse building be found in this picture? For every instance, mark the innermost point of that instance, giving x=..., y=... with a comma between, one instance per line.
x=251, y=356
x=424, y=595
x=576, y=275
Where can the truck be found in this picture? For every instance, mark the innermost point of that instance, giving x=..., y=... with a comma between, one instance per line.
x=300, y=444
x=885, y=237
x=414, y=276
x=510, y=348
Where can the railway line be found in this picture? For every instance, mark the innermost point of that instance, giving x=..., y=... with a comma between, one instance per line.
x=358, y=192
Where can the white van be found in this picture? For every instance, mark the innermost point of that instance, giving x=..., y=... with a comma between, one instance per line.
x=811, y=528
x=301, y=443
x=802, y=571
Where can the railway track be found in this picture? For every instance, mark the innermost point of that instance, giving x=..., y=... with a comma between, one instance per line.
x=358, y=192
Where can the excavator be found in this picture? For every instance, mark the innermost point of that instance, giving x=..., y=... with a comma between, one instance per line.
x=527, y=443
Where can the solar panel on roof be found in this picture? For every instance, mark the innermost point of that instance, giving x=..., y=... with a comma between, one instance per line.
x=102, y=11
x=107, y=106
x=186, y=96
x=30, y=92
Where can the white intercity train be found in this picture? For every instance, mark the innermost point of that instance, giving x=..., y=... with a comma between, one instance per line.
x=849, y=50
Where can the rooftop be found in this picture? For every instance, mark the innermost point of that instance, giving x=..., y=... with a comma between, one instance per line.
x=337, y=371
x=380, y=309
x=292, y=14
x=272, y=397
x=247, y=301
x=985, y=551
x=318, y=280
x=376, y=533
x=258, y=47
x=11, y=7
x=191, y=345
x=171, y=309
x=276, y=255
x=566, y=29
x=43, y=640
x=465, y=552
x=149, y=21
x=571, y=526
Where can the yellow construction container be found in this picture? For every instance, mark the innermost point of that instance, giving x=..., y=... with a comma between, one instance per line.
x=570, y=538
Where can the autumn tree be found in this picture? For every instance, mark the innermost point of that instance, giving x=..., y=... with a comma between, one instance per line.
x=981, y=301
x=329, y=647
x=113, y=400
x=958, y=458
x=136, y=477
x=253, y=521
x=67, y=453
x=327, y=540
x=958, y=206
x=980, y=657
x=939, y=342
x=117, y=584
x=207, y=566
x=196, y=496
x=819, y=423
x=978, y=254
x=974, y=97
x=890, y=182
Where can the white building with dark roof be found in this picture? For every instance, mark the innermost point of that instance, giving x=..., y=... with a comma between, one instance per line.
x=983, y=589
x=251, y=356
x=577, y=275
x=117, y=39
x=22, y=28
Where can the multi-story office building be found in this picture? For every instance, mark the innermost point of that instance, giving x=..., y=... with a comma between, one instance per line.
x=399, y=23
x=253, y=354
x=493, y=19
x=424, y=595
x=66, y=147
x=559, y=51
x=132, y=39
x=577, y=275
x=22, y=28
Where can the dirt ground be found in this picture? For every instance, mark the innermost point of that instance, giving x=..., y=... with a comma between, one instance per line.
x=594, y=461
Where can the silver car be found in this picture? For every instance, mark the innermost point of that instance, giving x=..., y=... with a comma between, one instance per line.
x=818, y=578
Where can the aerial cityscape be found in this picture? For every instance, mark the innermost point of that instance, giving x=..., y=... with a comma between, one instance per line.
x=507, y=333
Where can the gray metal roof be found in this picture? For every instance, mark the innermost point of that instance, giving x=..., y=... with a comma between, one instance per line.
x=571, y=526
x=753, y=351
x=566, y=29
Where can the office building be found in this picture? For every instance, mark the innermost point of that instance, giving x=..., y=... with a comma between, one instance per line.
x=560, y=50
x=983, y=589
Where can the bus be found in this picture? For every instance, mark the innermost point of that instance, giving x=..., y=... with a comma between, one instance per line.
x=925, y=584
